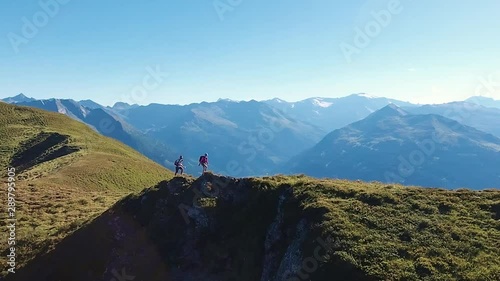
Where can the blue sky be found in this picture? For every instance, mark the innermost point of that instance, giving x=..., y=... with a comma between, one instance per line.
x=428, y=52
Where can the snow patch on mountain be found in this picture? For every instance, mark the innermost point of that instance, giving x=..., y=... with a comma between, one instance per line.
x=279, y=100
x=366, y=96
x=369, y=109
x=227, y=100
x=321, y=103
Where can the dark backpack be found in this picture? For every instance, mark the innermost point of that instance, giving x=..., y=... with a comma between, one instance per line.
x=176, y=163
x=203, y=159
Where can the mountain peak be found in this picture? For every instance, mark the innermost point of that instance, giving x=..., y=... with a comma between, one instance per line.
x=90, y=104
x=226, y=100
x=21, y=96
x=121, y=104
x=278, y=100
x=18, y=98
x=390, y=110
x=484, y=101
x=480, y=98
x=363, y=95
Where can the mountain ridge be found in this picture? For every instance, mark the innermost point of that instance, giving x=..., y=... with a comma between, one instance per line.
x=267, y=228
x=107, y=122
x=379, y=145
x=243, y=146
x=470, y=114
x=334, y=113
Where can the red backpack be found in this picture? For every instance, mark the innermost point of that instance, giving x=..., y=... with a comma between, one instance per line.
x=203, y=159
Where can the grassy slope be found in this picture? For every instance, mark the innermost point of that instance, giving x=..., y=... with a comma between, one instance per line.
x=407, y=233
x=384, y=232
x=56, y=197
x=387, y=232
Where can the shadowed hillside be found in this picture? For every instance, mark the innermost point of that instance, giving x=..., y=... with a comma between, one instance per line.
x=66, y=174
x=283, y=228
x=41, y=148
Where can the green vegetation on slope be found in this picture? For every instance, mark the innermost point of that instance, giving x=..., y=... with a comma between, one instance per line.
x=407, y=233
x=254, y=228
x=66, y=174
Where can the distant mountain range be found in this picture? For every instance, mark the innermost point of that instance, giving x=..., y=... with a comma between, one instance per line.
x=334, y=113
x=242, y=138
x=484, y=101
x=392, y=145
x=484, y=118
x=253, y=138
x=18, y=98
x=102, y=120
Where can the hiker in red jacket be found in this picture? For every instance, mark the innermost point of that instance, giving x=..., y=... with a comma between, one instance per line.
x=204, y=162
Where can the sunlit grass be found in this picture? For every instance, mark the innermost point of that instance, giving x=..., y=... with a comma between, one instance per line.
x=55, y=198
x=406, y=233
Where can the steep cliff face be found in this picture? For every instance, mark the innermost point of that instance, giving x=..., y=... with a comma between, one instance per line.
x=281, y=228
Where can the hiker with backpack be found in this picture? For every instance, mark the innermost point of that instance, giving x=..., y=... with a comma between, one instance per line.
x=204, y=162
x=179, y=166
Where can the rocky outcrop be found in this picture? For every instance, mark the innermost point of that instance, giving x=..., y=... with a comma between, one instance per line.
x=210, y=228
